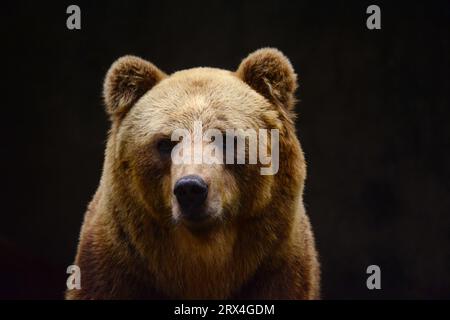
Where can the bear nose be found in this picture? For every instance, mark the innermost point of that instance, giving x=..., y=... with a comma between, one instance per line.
x=191, y=192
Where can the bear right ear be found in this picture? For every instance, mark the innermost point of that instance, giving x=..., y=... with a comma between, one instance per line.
x=127, y=80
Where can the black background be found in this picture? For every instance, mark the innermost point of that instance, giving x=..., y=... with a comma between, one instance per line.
x=373, y=122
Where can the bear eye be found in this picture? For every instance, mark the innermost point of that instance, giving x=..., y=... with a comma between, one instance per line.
x=165, y=146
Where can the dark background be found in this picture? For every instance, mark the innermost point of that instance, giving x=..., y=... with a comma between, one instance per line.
x=373, y=122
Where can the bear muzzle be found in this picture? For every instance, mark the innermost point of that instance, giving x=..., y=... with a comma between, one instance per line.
x=191, y=192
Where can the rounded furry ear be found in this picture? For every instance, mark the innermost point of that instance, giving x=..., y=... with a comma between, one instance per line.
x=127, y=80
x=270, y=73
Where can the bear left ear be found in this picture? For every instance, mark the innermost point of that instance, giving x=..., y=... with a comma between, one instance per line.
x=270, y=73
x=127, y=80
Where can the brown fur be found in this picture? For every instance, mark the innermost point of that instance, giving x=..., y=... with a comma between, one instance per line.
x=261, y=245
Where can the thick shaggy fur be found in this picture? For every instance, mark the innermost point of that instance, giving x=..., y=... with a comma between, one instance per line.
x=132, y=244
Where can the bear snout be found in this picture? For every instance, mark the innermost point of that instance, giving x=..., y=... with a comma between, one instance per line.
x=191, y=192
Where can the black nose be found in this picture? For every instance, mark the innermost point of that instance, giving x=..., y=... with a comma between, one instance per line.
x=191, y=192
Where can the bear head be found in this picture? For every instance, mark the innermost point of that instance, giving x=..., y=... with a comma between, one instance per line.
x=146, y=106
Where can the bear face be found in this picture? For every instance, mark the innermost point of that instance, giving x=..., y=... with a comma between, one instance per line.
x=200, y=229
x=258, y=96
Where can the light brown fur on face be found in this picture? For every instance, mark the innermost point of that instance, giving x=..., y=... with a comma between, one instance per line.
x=258, y=242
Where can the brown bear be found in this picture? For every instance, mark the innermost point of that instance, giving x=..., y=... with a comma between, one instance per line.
x=160, y=230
